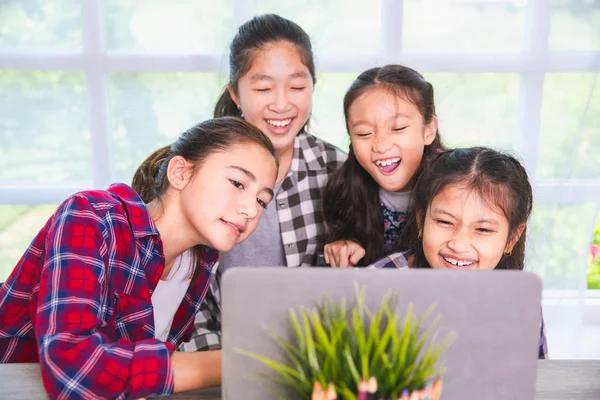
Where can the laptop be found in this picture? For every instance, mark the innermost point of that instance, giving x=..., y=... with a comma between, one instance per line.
x=494, y=315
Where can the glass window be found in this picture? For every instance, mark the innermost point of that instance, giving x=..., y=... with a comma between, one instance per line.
x=40, y=24
x=481, y=26
x=575, y=25
x=327, y=120
x=149, y=110
x=336, y=26
x=476, y=108
x=44, y=128
x=569, y=142
x=197, y=26
x=558, y=243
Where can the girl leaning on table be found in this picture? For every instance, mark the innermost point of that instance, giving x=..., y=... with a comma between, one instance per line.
x=471, y=210
x=97, y=298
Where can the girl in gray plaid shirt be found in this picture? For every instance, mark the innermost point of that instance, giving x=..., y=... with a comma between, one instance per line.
x=271, y=81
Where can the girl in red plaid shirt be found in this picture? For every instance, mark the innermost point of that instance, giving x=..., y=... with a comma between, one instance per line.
x=88, y=295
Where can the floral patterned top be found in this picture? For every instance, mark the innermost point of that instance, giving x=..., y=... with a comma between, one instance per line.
x=394, y=206
x=393, y=222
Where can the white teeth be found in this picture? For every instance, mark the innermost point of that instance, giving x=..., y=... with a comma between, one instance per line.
x=386, y=162
x=458, y=263
x=278, y=122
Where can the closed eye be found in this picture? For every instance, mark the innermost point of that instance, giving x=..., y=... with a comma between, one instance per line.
x=363, y=134
x=443, y=222
x=399, y=129
x=485, y=230
x=299, y=88
x=262, y=90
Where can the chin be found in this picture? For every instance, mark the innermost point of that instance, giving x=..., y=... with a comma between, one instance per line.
x=222, y=246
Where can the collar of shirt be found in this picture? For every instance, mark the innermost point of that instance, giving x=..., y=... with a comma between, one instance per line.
x=139, y=216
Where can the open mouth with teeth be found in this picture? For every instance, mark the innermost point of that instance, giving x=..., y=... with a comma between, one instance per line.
x=452, y=262
x=388, y=165
x=279, y=123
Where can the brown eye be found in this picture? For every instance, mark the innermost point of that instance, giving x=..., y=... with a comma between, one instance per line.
x=237, y=184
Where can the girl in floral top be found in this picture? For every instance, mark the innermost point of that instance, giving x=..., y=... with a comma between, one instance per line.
x=390, y=117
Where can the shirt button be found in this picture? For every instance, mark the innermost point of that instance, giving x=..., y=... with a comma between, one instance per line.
x=291, y=245
x=281, y=204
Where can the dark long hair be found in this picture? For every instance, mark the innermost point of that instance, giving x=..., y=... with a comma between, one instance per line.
x=497, y=177
x=351, y=203
x=150, y=180
x=253, y=36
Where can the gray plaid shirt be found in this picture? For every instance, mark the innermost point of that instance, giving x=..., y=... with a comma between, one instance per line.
x=300, y=219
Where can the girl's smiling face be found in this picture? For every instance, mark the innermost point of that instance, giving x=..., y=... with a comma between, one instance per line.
x=388, y=137
x=275, y=94
x=462, y=230
x=223, y=200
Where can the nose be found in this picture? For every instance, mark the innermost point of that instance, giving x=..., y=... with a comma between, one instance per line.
x=280, y=102
x=459, y=242
x=382, y=143
x=248, y=206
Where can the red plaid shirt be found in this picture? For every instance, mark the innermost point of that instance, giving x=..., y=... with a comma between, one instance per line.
x=78, y=302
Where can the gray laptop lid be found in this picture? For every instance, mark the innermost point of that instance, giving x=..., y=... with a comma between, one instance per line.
x=495, y=316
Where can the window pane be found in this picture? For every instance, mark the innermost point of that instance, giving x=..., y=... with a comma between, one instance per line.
x=559, y=239
x=18, y=225
x=43, y=126
x=150, y=110
x=569, y=142
x=199, y=26
x=476, y=109
x=575, y=25
x=30, y=24
x=464, y=26
x=336, y=26
x=327, y=120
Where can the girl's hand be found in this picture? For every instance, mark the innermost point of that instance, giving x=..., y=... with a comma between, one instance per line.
x=343, y=253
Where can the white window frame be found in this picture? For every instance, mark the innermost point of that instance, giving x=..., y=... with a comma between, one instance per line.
x=531, y=64
x=97, y=64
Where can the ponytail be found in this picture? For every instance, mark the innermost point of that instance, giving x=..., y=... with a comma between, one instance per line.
x=225, y=106
x=148, y=177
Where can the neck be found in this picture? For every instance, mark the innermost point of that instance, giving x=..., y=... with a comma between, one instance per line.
x=175, y=233
x=285, y=157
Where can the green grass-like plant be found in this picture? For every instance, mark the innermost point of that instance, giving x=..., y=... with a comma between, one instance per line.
x=345, y=344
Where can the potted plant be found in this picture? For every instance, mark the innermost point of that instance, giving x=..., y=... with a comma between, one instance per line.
x=351, y=352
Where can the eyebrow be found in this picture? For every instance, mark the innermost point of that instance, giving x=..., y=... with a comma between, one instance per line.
x=260, y=77
x=252, y=177
x=392, y=118
x=444, y=212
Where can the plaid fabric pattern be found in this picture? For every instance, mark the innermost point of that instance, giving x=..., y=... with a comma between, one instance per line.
x=79, y=301
x=400, y=260
x=299, y=200
x=300, y=218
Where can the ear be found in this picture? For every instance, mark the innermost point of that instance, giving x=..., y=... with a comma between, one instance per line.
x=179, y=172
x=514, y=238
x=233, y=95
x=430, y=131
x=419, y=215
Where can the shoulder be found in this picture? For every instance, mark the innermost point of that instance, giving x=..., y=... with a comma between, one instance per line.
x=332, y=156
x=118, y=202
